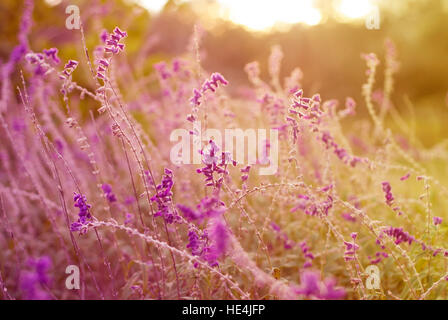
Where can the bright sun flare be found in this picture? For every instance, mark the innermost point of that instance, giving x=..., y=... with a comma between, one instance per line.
x=355, y=8
x=152, y=5
x=264, y=14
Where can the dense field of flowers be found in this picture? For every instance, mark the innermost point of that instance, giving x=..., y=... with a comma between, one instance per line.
x=88, y=179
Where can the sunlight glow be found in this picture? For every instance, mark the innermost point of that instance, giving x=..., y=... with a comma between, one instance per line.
x=53, y=3
x=258, y=14
x=355, y=9
x=152, y=5
x=264, y=14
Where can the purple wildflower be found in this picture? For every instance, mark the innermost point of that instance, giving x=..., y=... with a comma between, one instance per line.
x=399, y=235
x=329, y=291
x=194, y=243
x=275, y=226
x=199, y=246
x=213, y=83
x=219, y=236
x=18, y=125
x=41, y=67
x=17, y=53
x=314, y=208
x=196, y=96
x=34, y=282
x=350, y=250
x=107, y=189
x=68, y=69
x=163, y=198
x=309, y=257
x=84, y=215
x=209, y=207
x=309, y=284
x=162, y=70
x=405, y=177
x=347, y=216
x=437, y=220
x=388, y=193
x=53, y=54
x=214, y=163
x=350, y=105
x=245, y=170
x=112, y=43
x=312, y=287
x=189, y=213
x=104, y=35
x=287, y=243
x=129, y=218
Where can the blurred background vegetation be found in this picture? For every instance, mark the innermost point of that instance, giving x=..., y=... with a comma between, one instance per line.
x=328, y=53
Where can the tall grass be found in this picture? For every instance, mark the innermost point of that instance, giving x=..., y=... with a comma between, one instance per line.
x=86, y=179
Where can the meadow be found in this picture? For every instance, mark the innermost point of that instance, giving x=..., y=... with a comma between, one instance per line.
x=356, y=208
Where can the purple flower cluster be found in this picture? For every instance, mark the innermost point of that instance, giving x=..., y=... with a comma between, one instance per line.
x=399, y=235
x=348, y=217
x=212, y=244
x=245, y=172
x=309, y=109
x=18, y=125
x=209, y=207
x=379, y=256
x=210, y=84
x=312, y=287
x=213, y=83
x=107, y=189
x=189, y=213
x=350, y=106
x=41, y=66
x=387, y=189
x=84, y=214
x=195, y=242
x=287, y=243
x=405, y=177
x=103, y=64
x=195, y=100
x=218, y=235
x=34, y=282
x=42, y=61
x=163, y=198
x=214, y=163
x=313, y=208
x=341, y=153
x=213, y=241
x=351, y=248
x=113, y=44
x=68, y=69
x=200, y=247
x=52, y=53
x=309, y=257
x=129, y=218
x=162, y=70
x=437, y=220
